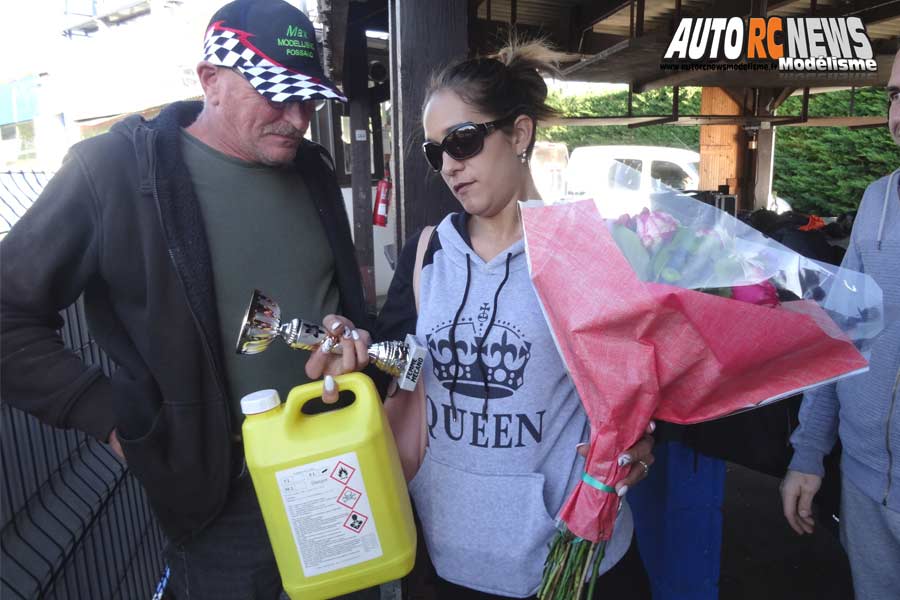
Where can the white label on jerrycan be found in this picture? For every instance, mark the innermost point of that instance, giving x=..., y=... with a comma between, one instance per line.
x=328, y=509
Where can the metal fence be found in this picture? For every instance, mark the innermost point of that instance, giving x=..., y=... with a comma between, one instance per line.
x=73, y=522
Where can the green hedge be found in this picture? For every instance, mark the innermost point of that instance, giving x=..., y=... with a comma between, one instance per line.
x=822, y=170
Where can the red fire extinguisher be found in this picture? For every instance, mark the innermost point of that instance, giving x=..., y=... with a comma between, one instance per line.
x=382, y=199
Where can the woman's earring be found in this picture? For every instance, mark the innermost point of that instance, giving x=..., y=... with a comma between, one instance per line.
x=524, y=157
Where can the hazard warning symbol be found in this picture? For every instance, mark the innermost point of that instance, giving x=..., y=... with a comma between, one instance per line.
x=342, y=472
x=349, y=497
x=356, y=521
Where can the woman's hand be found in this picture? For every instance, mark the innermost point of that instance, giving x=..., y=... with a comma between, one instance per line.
x=355, y=355
x=639, y=456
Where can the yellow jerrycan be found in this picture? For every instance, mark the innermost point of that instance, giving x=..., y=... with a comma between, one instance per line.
x=331, y=489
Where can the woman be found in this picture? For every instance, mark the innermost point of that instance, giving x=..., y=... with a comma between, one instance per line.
x=503, y=418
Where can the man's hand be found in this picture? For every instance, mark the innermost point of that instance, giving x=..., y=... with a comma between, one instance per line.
x=639, y=456
x=115, y=446
x=797, y=493
x=355, y=355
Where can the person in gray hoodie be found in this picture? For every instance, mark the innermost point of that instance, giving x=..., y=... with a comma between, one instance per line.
x=503, y=419
x=862, y=411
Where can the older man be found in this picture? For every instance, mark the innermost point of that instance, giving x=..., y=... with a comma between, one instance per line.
x=863, y=411
x=166, y=226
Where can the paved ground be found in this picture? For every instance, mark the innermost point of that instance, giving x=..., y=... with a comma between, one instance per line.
x=762, y=558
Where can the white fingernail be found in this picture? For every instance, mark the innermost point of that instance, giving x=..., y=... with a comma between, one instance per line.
x=329, y=383
x=624, y=460
x=347, y=334
x=622, y=491
x=581, y=445
x=652, y=426
x=355, y=334
x=335, y=325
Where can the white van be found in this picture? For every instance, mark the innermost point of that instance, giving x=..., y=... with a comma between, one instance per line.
x=620, y=179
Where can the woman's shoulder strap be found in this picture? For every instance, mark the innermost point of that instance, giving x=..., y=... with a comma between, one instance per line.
x=424, y=239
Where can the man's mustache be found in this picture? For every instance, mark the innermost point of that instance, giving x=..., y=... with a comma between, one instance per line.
x=285, y=130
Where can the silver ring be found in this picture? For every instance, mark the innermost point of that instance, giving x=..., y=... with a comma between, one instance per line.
x=646, y=467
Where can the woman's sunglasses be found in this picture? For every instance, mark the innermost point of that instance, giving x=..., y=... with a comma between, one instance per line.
x=464, y=141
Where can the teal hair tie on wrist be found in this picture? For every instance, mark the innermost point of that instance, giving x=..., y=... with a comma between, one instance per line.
x=597, y=484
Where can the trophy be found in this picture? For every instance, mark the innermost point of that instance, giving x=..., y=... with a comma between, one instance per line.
x=263, y=323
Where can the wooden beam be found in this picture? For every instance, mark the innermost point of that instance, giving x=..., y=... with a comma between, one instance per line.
x=870, y=12
x=592, y=12
x=624, y=44
x=424, y=36
x=333, y=15
x=639, y=18
x=356, y=82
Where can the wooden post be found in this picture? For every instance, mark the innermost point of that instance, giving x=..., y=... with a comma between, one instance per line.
x=765, y=159
x=722, y=147
x=424, y=36
x=356, y=86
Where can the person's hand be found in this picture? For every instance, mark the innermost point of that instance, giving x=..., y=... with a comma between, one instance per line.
x=640, y=456
x=797, y=493
x=115, y=446
x=355, y=355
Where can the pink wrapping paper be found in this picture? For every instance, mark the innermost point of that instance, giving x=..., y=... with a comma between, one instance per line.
x=637, y=350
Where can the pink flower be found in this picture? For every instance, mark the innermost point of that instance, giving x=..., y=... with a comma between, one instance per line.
x=763, y=294
x=654, y=228
x=626, y=220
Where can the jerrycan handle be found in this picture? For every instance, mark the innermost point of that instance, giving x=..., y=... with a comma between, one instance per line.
x=364, y=392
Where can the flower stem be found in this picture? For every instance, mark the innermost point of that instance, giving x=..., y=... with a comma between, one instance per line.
x=601, y=550
x=584, y=572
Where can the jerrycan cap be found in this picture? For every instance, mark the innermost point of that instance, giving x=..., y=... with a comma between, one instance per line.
x=260, y=402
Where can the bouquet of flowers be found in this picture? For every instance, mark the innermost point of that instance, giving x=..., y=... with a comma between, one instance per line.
x=680, y=313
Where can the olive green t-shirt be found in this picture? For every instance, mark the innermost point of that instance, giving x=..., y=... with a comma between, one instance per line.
x=264, y=233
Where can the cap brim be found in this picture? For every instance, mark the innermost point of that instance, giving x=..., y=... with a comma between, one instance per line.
x=283, y=85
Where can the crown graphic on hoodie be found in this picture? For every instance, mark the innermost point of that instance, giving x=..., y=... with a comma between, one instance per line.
x=504, y=356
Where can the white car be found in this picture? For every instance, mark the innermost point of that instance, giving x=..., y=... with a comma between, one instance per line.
x=620, y=179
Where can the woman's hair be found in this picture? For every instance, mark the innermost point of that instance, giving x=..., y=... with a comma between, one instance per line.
x=506, y=84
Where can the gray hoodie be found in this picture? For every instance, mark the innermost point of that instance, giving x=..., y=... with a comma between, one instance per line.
x=503, y=421
x=864, y=410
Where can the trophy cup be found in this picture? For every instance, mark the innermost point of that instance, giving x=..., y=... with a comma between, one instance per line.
x=263, y=323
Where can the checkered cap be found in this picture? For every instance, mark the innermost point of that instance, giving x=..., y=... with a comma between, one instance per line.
x=232, y=48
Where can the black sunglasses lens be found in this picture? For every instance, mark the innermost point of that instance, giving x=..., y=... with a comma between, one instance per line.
x=435, y=155
x=465, y=142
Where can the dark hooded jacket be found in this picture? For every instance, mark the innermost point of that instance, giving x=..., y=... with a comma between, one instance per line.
x=120, y=224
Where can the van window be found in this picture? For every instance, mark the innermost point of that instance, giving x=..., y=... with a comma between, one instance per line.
x=667, y=174
x=625, y=173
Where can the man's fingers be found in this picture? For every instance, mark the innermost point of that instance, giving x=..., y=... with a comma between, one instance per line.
x=789, y=496
x=804, y=510
x=330, y=390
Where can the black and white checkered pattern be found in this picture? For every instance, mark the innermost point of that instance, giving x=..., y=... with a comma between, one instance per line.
x=224, y=48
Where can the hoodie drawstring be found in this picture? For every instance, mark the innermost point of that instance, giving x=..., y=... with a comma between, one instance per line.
x=455, y=360
x=488, y=331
